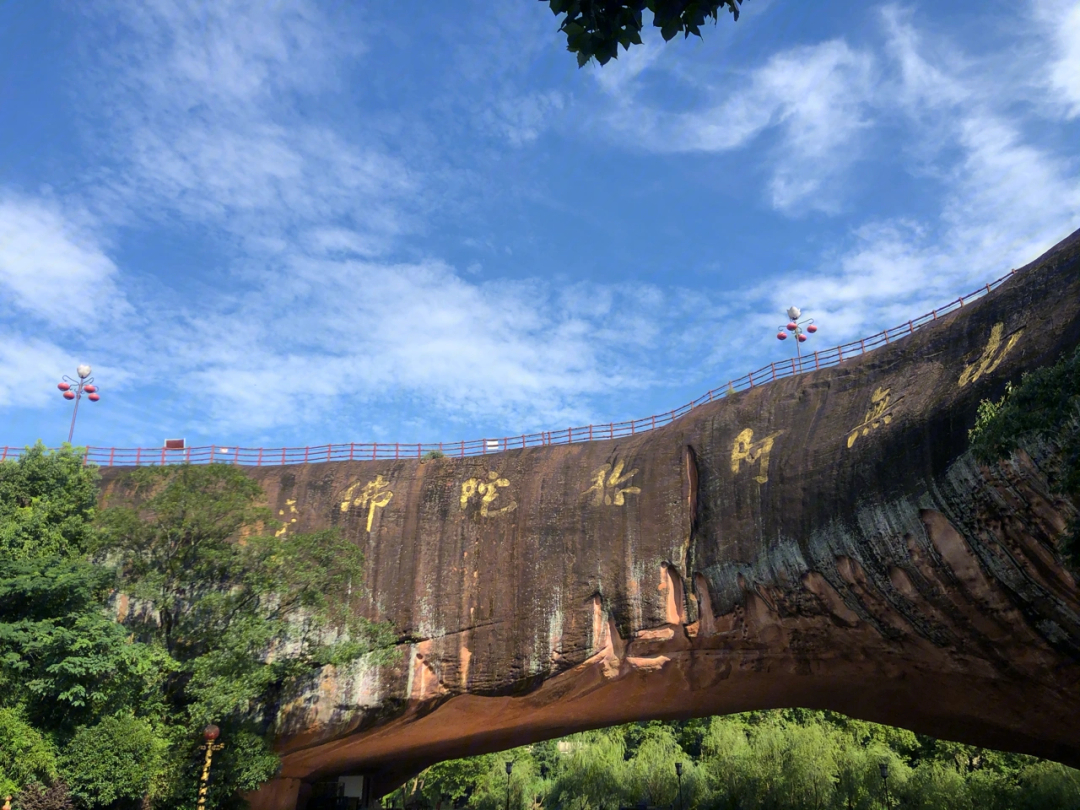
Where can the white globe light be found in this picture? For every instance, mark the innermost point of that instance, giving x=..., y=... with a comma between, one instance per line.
x=794, y=312
x=83, y=371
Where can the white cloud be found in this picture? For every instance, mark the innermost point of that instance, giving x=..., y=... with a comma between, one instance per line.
x=1005, y=201
x=817, y=95
x=201, y=109
x=30, y=369
x=1061, y=23
x=52, y=265
x=521, y=119
x=334, y=331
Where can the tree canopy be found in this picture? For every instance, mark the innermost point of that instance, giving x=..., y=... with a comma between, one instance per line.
x=596, y=28
x=125, y=630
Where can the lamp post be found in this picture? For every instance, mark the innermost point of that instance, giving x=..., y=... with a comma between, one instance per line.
x=796, y=326
x=678, y=773
x=83, y=385
x=509, y=768
x=884, y=768
x=210, y=733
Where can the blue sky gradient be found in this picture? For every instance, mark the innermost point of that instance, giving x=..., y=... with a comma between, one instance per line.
x=292, y=223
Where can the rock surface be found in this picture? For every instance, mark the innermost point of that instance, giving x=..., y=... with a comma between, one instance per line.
x=823, y=541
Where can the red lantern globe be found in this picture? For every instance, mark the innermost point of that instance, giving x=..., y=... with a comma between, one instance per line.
x=781, y=335
x=802, y=338
x=90, y=388
x=792, y=326
x=211, y=733
x=69, y=395
x=63, y=386
x=811, y=329
x=93, y=397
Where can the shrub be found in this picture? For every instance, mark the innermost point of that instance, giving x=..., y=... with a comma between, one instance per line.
x=25, y=755
x=115, y=760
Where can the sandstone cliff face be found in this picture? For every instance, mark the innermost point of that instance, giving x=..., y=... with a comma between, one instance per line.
x=822, y=541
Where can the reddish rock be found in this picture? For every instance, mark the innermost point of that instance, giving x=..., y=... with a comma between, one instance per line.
x=823, y=541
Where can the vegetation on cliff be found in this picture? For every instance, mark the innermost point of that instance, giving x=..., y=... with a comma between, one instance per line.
x=124, y=631
x=1045, y=406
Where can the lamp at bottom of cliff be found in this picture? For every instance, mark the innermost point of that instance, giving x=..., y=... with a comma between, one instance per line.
x=210, y=733
x=75, y=389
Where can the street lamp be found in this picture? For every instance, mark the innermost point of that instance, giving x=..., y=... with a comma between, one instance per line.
x=210, y=733
x=509, y=768
x=884, y=768
x=796, y=326
x=678, y=773
x=83, y=385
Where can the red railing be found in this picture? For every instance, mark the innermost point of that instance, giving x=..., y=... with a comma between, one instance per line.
x=260, y=457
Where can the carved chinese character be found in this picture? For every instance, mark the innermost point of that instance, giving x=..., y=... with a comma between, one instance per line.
x=290, y=503
x=877, y=416
x=746, y=449
x=374, y=494
x=607, y=487
x=488, y=491
x=991, y=356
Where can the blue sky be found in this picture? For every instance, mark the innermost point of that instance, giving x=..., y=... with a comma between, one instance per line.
x=293, y=223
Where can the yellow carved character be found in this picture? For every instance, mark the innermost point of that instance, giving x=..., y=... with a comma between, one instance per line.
x=488, y=491
x=291, y=504
x=606, y=486
x=374, y=494
x=875, y=417
x=991, y=356
x=746, y=449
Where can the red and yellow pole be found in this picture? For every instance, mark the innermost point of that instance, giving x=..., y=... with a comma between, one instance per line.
x=210, y=733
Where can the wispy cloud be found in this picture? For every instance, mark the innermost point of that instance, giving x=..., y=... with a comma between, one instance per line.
x=815, y=95
x=1060, y=20
x=994, y=212
x=53, y=266
x=328, y=307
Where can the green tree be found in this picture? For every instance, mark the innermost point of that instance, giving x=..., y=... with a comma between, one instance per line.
x=453, y=780
x=933, y=786
x=596, y=28
x=63, y=657
x=651, y=771
x=245, y=616
x=113, y=763
x=1047, y=785
x=26, y=756
x=592, y=772
x=47, y=503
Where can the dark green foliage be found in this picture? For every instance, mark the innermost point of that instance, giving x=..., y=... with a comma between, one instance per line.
x=220, y=596
x=25, y=754
x=62, y=656
x=112, y=763
x=1045, y=405
x=221, y=619
x=596, y=28
x=47, y=503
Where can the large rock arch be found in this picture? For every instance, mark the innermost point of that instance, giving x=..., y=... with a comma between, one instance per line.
x=822, y=541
